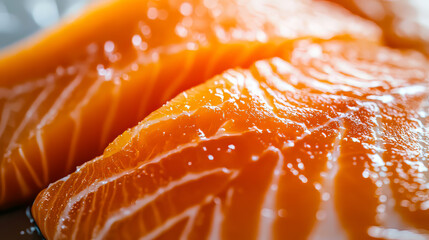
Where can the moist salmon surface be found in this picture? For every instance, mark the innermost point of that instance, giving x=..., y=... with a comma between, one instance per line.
x=66, y=93
x=328, y=141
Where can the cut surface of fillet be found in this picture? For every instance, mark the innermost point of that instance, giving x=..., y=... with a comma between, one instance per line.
x=67, y=93
x=252, y=153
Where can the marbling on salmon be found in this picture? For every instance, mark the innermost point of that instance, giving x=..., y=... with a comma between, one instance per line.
x=66, y=94
x=327, y=142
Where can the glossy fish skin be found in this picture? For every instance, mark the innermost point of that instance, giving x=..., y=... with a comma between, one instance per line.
x=320, y=144
x=67, y=93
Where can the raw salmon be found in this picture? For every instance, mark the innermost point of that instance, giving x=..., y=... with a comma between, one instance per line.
x=66, y=94
x=327, y=142
x=404, y=23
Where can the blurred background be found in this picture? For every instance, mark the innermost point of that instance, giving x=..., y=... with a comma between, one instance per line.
x=21, y=18
x=407, y=19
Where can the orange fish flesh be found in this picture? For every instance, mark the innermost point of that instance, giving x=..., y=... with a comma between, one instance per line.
x=329, y=142
x=66, y=94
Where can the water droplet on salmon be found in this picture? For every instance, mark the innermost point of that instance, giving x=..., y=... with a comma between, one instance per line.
x=289, y=144
x=321, y=215
x=134, y=67
x=424, y=206
x=152, y=13
x=295, y=172
x=326, y=196
x=267, y=213
x=303, y=179
x=318, y=186
x=191, y=46
x=136, y=40
x=281, y=213
x=381, y=208
x=186, y=9
x=60, y=71
x=365, y=173
x=181, y=31
x=109, y=47
x=274, y=187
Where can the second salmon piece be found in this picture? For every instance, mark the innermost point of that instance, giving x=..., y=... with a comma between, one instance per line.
x=329, y=144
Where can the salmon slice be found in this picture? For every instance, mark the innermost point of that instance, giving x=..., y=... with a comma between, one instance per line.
x=404, y=23
x=329, y=142
x=68, y=93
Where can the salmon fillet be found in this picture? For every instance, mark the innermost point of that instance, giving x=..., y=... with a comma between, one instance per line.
x=327, y=142
x=67, y=93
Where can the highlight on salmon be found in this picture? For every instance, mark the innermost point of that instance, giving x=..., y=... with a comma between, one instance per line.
x=326, y=142
x=67, y=93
